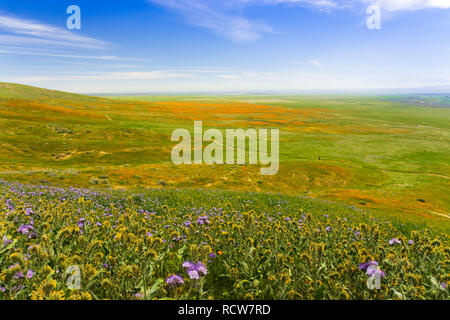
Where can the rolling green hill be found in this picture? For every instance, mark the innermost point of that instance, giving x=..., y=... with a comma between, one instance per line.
x=88, y=181
x=20, y=91
x=383, y=156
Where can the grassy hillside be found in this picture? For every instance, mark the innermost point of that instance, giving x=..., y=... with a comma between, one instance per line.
x=19, y=91
x=362, y=181
x=379, y=155
x=248, y=245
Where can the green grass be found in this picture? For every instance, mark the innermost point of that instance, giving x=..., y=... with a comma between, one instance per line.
x=355, y=172
x=375, y=153
x=253, y=246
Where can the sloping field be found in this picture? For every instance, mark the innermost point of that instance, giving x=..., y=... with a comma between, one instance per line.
x=185, y=244
x=387, y=157
x=87, y=182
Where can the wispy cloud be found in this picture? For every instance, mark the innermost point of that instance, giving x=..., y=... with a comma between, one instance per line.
x=145, y=75
x=314, y=62
x=216, y=16
x=318, y=4
x=390, y=5
x=33, y=52
x=38, y=42
x=26, y=37
x=317, y=63
x=36, y=32
x=223, y=17
x=396, y=5
x=205, y=74
x=229, y=76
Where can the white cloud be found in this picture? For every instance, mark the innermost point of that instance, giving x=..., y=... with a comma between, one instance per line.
x=396, y=5
x=224, y=17
x=315, y=62
x=38, y=42
x=229, y=76
x=184, y=73
x=213, y=15
x=146, y=75
x=390, y=5
x=39, y=32
x=320, y=4
x=33, y=52
x=20, y=36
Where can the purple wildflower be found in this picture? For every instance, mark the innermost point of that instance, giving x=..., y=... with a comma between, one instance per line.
x=138, y=295
x=374, y=270
x=200, y=267
x=30, y=274
x=25, y=228
x=328, y=229
x=18, y=275
x=6, y=241
x=364, y=266
x=444, y=285
x=187, y=265
x=394, y=241
x=174, y=280
x=212, y=255
x=81, y=223
x=203, y=220
x=410, y=242
x=195, y=271
x=193, y=274
x=17, y=288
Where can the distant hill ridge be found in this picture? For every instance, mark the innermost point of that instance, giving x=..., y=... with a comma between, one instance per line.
x=13, y=90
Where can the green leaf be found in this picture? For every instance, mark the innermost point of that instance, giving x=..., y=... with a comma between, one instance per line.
x=320, y=293
x=149, y=294
x=434, y=282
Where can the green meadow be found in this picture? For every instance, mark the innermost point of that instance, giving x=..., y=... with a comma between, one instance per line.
x=382, y=154
x=361, y=192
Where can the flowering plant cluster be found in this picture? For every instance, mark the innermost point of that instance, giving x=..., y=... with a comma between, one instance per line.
x=208, y=245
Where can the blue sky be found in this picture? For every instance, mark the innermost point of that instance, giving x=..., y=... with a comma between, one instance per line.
x=140, y=46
